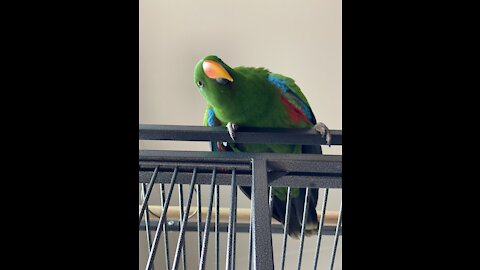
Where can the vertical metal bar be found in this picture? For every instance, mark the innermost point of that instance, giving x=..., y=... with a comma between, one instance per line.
x=234, y=226
x=165, y=232
x=147, y=196
x=261, y=221
x=231, y=221
x=180, y=202
x=250, y=244
x=217, y=232
x=270, y=199
x=320, y=228
x=199, y=221
x=181, y=237
x=334, y=251
x=206, y=231
x=153, y=250
x=147, y=218
x=302, y=235
x=285, y=228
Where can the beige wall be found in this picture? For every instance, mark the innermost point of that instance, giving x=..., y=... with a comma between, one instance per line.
x=300, y=39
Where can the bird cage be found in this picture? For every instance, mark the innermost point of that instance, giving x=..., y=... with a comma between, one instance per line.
x=166, y=222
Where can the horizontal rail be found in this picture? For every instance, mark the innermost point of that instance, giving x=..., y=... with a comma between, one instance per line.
x=243, y=214
x=294, y=181
x=295, y=170
x=261, y=171
x=174, y=225
x=302, y=136
x=308, y=163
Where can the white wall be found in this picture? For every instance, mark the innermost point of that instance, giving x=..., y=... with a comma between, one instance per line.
x=300, y=39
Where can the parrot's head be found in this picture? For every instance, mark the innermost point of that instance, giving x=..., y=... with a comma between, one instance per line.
x=214, y=80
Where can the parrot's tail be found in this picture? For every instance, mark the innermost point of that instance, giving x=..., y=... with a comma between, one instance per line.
x=296, y=213
x=279, y=208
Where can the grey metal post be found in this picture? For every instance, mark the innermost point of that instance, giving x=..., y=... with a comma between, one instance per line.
x=261, y=221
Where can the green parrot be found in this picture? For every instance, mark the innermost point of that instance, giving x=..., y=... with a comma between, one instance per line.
x=256, y=97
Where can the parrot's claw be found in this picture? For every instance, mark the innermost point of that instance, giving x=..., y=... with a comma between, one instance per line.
x=231, y=129
x=323, y=129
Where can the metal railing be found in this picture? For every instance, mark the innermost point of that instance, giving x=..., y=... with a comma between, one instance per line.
x=260, y=171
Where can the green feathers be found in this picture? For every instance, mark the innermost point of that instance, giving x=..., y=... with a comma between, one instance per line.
x=255, y=97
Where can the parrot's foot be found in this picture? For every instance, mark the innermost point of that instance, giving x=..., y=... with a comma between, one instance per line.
x=231, y=129
x=323, y=129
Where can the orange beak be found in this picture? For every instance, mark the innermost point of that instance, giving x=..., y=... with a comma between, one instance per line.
x=214, y=70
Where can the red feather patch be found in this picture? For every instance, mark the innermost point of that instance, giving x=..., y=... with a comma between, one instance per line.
x=295, y=114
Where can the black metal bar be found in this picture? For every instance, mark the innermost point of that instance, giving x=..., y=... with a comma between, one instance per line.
x=217, y=222
x=240, y=160
x=147, y=219
x=285, y=231
x=269, y=169
x=199, y=220
x=320, y=171
x=334, y=251
x=231, y=223
x=147, y=196
x=165, y=232
x=243, y=134
x=203, y=255
x=244, y=179
x=180, y=202
x=181, y=237
x=298, y=181
x=186, y=165
x=234, y=226
x=304, y=222
x=261, y=222
x=223, y=227
x=153, y=250
x=320, y=227
x=250, y=244
x=270, y=199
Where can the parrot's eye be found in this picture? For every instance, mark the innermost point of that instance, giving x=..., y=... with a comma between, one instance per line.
x=199, y=84
x=221, y=81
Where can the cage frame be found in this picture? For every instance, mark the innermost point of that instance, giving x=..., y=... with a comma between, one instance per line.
x=261, y=171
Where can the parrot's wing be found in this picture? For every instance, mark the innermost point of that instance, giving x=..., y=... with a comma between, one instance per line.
x=293, y=94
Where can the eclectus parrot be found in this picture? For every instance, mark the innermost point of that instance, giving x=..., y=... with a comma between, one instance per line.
x=256, y=97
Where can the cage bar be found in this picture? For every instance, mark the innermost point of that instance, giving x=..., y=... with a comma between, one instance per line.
x=199, y=220
x=285, y=229
x=181, y=237
x=217, y=232
x=230, y=261
x=259, y=171
x=180, y=203
x=151, y=255
x=261, y=233
x=334, y=250
x=302, y=234
x=206, y=230
x=147, y=195
x=320, y=228
x=147, y=218
x=165, y=232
